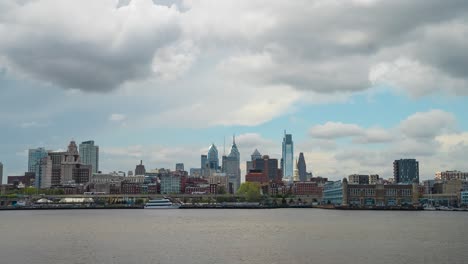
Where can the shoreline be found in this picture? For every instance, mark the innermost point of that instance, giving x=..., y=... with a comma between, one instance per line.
x=219, y=207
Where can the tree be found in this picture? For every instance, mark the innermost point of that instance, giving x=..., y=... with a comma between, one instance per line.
x=221, y=190
x=250, y=190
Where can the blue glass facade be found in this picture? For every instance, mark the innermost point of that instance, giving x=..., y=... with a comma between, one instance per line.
x=35, y=155
x=333, y=193
x=288, y=158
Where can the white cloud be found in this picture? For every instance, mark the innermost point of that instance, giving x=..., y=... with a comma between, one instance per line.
x=428, y=124
x=117, y=117
x=415, y=78
x=32, y=124
x=429, y=136
x=335, y=130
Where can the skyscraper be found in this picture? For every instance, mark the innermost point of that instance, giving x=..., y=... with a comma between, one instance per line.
x=301, y=166
x=140, y=169
x=269, y=167
x=1, y=173
x=35, y=155
x=72, y=171
x=255, y=155
x=406, y=170
x=89, y=154
x=179, y=167
x=213, y=159
x=231, y=166
x=287, y=158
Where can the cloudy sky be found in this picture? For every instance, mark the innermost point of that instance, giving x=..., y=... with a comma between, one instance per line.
x=358, y=83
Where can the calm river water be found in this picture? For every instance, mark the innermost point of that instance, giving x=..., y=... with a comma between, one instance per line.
x=232, y=236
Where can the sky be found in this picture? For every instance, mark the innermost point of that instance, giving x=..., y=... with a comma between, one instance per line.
x=358, y=83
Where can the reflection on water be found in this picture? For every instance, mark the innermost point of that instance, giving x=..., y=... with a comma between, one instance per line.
x=232, y=236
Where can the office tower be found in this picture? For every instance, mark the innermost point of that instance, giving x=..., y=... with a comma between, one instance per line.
x=203, y=161
x=34, y=156
x=406, y=170
x=72, y=171
x=231, y=166
x=287, y=158
x=89, y=154
x=140, y=169
x=255, y=155
x=269, y=167
x=56, y=159
x=44, y=173
x=213, y=159
x=179, y=167
x=1, y=173
x=301, y=166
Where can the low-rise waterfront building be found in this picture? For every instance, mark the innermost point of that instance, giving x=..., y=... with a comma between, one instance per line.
x=381, y=194
x=451, y=175
x=464, y=198
x=333, y=193
x=171, y=184
x=27, y=179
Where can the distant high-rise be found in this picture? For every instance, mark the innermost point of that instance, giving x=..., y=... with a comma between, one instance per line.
x=89, y=154
x=213, y=159
x=179, y=167
x=1, y=173
x=302, y=169
x=255, y=155
x=231, y=166
x=406, y=170
x=288, y=158
x=34, y=156
x=269, y=167
x=203, y=161
x=72, y=171
x=140, y=169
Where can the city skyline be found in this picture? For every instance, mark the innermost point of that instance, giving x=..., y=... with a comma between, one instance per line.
x=355, y=96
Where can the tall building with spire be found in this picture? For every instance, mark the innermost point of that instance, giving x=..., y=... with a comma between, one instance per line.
x=296, y=172
x=89, y=154
x=287, y=161
x=72, y=171
x=140, y=169
x=231, y=166
x=302, y=169
x=213, y=158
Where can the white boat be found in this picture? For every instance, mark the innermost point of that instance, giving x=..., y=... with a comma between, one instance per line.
x=429, y=207
x=161, y=204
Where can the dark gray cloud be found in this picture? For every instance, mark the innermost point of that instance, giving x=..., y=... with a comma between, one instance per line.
x=76, y=52
x=321, y=46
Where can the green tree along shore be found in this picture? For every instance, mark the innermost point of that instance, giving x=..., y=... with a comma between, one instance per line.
x=35, y=191
x=251, y=191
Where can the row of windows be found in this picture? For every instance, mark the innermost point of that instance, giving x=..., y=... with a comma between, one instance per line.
x=359, y=192
x=394, y=192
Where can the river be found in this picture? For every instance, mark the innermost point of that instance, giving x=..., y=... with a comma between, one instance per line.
x=233, y=236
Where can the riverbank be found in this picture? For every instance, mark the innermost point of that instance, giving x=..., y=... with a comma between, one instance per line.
x=66, y=207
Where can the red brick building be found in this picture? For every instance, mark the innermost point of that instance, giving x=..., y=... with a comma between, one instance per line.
x=27, y=179
x=307, y=188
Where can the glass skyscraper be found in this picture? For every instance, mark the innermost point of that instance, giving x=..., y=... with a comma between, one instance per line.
x=89, y=154
x=35, y=155
x=406, y=170
x=213, y=159
x=288, y=158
